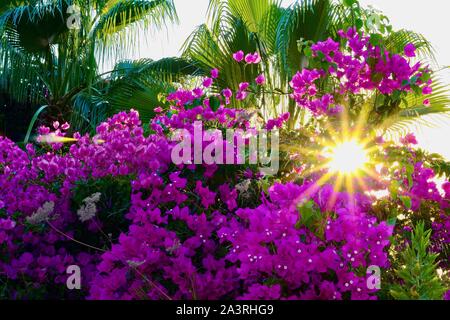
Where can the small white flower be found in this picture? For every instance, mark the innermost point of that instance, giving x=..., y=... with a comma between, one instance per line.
x=87, y=212
x=89, y=209
x=41, y=214
x=243, y=189
x=93, y=198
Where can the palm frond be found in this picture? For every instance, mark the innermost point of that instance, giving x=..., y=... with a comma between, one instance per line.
x=89, y=109
x=268, y=28
x=397, y=41
x=166, y=69
x=118, y=30
x=208, y=50
x=143, y=84
x=414, y=113
x=37, y=25
x=308, y=20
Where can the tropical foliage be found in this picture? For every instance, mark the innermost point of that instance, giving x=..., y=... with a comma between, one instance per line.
x=283, y=37
x=114, y=204
x=52, y=51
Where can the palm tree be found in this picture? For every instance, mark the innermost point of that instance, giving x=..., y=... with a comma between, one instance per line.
x=282, y=36
x=51, y=51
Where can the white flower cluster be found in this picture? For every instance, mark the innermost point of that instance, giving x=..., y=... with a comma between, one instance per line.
x=41, y=214
x=243, y=188
x=89, y=209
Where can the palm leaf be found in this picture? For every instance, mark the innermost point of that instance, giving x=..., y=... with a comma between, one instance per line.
x=397, y=41
x=143, y=84
x=308, y=20
x=114, y=27
x=414, y=114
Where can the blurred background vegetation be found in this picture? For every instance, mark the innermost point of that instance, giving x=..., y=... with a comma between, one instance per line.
x=48, y=66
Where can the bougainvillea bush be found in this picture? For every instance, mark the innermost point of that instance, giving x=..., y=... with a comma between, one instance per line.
x=140, y=227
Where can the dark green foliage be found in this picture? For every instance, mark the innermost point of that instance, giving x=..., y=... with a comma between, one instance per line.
x=111, y=209
x=417, y=271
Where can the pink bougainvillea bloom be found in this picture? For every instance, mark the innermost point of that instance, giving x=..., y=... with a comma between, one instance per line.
x=227, y=93
x=427, y=90
x=43, y=130
x=56, y=125
x=410, y=138
x=207, y=197
x=312, y=90
x=207, y=82
x=198, y=92
x=260, y=80
x=243, y=86
x=158, y=109
x=249, y=58
x=65, y=126
x=215, y=73
x=257, y=58
x=410, y=50
x=447, y=295
x=285, y=116
x=238, y=56
x=241, y=95
x=426, y=102
x=379, y=140
x=446, y=188
x=253, y=58
x=248, y=173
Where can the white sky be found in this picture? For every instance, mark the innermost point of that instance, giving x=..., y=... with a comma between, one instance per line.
x=427, y=17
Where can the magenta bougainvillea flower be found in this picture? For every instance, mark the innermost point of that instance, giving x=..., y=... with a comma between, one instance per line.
x=260, y=80
x=207, y=82
x=427, y=90
x=239, y=56
x=253, y=58
x=410, y=50
x=410, y=138
x=215, y=73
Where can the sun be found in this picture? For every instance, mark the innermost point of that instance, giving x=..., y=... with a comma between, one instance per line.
x=347, y=158
x=346, y=155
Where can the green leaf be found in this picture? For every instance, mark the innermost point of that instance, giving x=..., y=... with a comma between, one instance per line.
x=307, y=52
x=392, y=221
x=308, y=215
x=359, y=24
x=393, y=189
x=376, y=39
x=425, y=77
x=350, y=3
x=409, y=172
x=214, y=103
x=406, y=201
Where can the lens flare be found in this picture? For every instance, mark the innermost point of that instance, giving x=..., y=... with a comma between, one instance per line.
x=347, y=158
x=53, y=138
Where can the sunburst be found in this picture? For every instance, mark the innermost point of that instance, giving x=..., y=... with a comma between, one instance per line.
x=345, y=157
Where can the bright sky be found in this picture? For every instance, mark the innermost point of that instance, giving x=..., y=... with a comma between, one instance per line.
x=429, y=18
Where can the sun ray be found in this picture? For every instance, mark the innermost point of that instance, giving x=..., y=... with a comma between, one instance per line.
x=336, y=187
x=314, y=187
